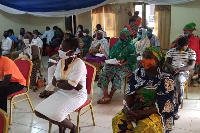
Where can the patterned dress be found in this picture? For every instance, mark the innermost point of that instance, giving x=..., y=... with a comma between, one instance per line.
x=116, y=74
x=147, y=91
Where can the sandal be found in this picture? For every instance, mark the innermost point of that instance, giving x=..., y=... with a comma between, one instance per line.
x=103, y=101
x=48, y=93
x=42, y=94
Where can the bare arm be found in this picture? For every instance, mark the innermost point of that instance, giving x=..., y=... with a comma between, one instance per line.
x=189, y=67
x=63, y=84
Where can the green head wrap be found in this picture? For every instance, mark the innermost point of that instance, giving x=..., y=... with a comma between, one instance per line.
x=190, y=26
x=128, y=34
x=156, y=52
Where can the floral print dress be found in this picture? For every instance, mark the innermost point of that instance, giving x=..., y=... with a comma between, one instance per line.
x=158, y=91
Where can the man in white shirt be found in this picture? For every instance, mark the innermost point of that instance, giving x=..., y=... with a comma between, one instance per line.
x=6, y=44
x=153, y=38
x=49, y=34
x=179, y=61
x=98, y=26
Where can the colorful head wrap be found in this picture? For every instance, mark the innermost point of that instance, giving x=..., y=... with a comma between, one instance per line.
x=157, y=52
x=190, y=26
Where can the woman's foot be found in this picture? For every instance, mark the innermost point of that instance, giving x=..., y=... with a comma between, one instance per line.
x=46, y=94
x=42, y=94
x=112, y=92
x=104, y=100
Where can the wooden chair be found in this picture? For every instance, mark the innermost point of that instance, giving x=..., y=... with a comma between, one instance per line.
x=91, y=73
x=25, y=67
x=4, y=121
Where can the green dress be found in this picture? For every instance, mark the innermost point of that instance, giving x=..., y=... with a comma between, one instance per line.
x=87, y=40
x=121, y=51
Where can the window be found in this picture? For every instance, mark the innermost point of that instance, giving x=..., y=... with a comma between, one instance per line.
x=107, y=21
x=146, y=13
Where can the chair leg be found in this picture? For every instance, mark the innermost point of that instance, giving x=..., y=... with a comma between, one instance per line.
x=182, y=104
x=29, y=100
x=15, y=106
x=78, y=120
x=186, y=92
x=50, y=125
x=69, y=117
x=125, y=82
x=42, y=63
x=92, y=113
x=10, y=118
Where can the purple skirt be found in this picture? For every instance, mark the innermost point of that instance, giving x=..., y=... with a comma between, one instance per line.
x=92, y=58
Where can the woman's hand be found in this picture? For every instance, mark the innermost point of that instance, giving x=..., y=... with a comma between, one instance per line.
x=78, y=87
x=136, y=115
x=123, y=63
x=54, y=81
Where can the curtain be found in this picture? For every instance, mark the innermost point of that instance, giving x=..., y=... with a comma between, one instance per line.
x=112, y=17
x=163, y=25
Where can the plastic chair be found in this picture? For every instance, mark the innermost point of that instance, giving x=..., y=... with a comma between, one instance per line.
x=4, y=121
x=113, y=41
x=25, y=67
x=91, y=73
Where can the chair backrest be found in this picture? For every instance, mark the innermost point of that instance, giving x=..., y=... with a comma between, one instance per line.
x=113, y=41
x=90, y=77
x=25, y=66
x=4, y=121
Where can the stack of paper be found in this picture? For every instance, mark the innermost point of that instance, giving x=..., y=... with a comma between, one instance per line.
x=112, y=61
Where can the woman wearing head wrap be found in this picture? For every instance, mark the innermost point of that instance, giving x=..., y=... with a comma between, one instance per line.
x=148, y=105
x=124, y=52
x=87, y=40
x=141, y=43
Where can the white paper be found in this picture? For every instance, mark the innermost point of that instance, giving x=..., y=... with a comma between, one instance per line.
x=99, y=55
x=52, y=61
x=112, y=61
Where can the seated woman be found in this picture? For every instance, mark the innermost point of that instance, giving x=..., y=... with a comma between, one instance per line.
x=87, y=40
x=148, y=105
x=125, y=53
x=141, y=42
x=99, y=45
x=30, y=50
x=49, y=89
x=11, y=80
x=70, y=78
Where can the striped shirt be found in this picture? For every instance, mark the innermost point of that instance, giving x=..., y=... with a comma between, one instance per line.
x=181, y=59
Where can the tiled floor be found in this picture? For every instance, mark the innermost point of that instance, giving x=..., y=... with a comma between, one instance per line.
x=24, y=121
